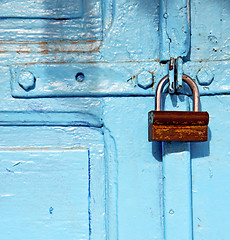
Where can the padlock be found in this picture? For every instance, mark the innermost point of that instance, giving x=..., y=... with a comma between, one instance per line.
x=178, y=125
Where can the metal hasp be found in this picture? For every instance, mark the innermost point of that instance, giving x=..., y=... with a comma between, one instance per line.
x=178, y=125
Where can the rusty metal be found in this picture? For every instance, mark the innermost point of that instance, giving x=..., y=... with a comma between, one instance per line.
x=176, y=125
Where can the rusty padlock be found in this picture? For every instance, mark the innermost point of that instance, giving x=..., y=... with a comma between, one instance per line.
x=178, y=125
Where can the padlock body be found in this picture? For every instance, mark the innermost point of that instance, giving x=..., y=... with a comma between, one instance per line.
x=178, y=126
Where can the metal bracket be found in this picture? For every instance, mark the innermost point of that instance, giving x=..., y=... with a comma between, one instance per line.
x=172, y=76
x=174, y=38
x=174, y=29
x=111, y=79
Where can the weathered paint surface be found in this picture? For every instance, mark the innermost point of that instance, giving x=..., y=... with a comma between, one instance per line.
x=75, y=159
x=41, y=195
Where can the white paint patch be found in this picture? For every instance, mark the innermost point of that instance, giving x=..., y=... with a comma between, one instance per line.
x=6, y=195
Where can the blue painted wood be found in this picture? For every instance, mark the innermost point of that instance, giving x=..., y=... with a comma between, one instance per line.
x=210, y=166
x=178, y=28
x=75, y=154
x=164, y=38
x=42, y=9
x=42, y=21
x=177, y=191
x=139, y=175
x=174, y=29
x=177, y=181
x=112, y=42
x=44, y=194
x=209, y=38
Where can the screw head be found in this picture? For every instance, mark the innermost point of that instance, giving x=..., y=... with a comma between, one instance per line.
x=26, y=80
x=204, y=76
x=145, y=79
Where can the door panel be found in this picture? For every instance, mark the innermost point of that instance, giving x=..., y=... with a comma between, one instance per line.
x=210, y=167
x=52, y=183
x=139, y=174
x=44, y=194
x=75, y=162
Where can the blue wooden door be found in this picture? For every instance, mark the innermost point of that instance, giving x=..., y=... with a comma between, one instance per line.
x=78, y=79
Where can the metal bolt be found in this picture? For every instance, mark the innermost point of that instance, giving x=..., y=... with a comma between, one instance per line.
x=204, y=76
x=80, y=77
x=26, y=80
x=145, y=79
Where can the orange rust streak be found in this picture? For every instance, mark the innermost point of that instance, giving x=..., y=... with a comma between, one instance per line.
x=12, y=41
x=40, y=148
x=81, y=62
x=49, y=51
x=177, y=133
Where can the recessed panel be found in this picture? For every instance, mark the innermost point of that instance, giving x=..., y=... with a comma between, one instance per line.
x=44, y=194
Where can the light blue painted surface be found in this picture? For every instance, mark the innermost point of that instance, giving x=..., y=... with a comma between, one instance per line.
x=177, y=180
x=177, y=191
x=174, y=29
x=210, y=166
x=180, y=71
x=42, y=9
x=69, y=148
x=139, y=175
x=44, y=194
x=103, y=119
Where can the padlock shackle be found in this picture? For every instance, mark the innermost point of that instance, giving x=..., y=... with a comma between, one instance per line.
x=192, y=85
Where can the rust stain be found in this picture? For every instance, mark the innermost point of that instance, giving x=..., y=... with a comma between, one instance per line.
x=83, y=62
x=45, y=51
x=153, y=86
x=24, y=51
x=8, y=40
x=78, y=51
x=13, y=41
x=47, y=46
x=33, y=63
x=171, y=66
x=86, y=41
x=43, y=45
x=17, y=51
x=40, y=148
x=177, y=133
x=151, y=72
